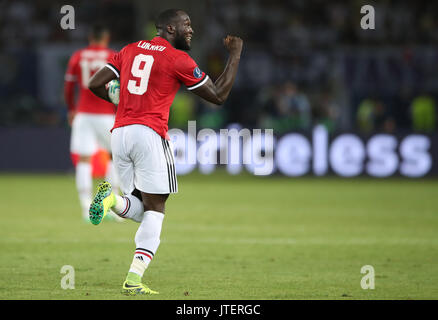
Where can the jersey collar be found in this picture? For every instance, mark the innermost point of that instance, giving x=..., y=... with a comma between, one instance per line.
x=96, y=46
x=162, y=40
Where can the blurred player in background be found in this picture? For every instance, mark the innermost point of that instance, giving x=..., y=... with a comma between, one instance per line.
x=90, y=118
x=150, y=73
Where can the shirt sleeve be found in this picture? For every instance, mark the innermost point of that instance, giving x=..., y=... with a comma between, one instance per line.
x=115, y=62
x=70, y=79
x=71, y=75
x=188, y=72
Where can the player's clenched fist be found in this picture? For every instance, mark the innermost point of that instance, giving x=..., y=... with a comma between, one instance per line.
x=233, y=44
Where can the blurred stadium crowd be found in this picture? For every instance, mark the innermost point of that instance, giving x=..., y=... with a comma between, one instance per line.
x=305, y=62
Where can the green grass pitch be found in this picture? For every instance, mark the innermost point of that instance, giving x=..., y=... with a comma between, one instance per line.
x=229, y=237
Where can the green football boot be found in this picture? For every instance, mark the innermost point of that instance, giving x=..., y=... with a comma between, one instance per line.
x=137, y=289
x=102, y=202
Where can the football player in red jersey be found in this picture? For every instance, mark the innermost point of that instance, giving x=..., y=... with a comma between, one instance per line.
x=91, y=118
x=150, y=74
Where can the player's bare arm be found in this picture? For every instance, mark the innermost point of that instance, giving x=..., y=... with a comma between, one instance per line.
x=99, y=80
x=218, y=91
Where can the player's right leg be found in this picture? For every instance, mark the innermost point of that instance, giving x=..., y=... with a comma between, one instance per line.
x=155, y=177
x=147, y=240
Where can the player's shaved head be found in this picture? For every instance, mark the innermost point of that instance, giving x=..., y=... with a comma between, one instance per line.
x=174, y=25
x=167, y=17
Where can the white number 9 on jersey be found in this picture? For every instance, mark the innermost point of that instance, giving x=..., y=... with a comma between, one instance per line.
x=142, y=73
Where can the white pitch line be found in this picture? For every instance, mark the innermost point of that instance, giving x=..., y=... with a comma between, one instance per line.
x=243, y=241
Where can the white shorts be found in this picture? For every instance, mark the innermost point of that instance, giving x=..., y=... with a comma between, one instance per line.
x=144, y=160
x=89, y=132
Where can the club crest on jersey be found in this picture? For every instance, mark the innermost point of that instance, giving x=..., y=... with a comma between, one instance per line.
x=197, y=73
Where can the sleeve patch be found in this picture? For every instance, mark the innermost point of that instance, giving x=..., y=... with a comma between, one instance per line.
x=197, y=73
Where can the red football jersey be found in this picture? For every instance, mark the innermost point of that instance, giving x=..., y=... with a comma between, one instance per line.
x=81, y=67
x=151, y=72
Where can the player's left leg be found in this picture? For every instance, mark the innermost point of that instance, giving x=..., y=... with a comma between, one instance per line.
x=127, y=206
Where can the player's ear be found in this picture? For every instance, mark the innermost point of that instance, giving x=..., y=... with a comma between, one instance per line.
x=171, y=28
